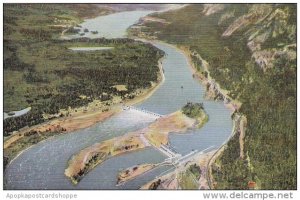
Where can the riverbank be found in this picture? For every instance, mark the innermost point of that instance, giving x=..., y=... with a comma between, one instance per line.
x=87, y=159
x=156, y=134
x=239, y=127
x=145, y=94
x=74, y=119
x=214, y=92
x=214, y=88
x=23, y=140
x=171, y=100
x=175, y=180
x=132, y=172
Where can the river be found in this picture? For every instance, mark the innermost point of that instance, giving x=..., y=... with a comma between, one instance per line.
x=42, y=166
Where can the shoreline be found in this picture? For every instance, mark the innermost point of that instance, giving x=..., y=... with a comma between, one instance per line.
x=133, y=172
x=170, y=180
x=150, y=91
x=82, y=120
x=233, y=105
x=238, y=128
x=203, y=80
x=88, y=158
x=146, y=93
x=6, y=146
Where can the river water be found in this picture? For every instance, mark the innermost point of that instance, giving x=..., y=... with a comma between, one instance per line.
x=16, y=113
x=42, y=166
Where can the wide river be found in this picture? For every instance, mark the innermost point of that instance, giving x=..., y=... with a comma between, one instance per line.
x=42, y=166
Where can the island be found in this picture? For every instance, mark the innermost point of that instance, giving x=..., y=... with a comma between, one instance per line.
x=68, y=67
x=134, y=171
x=66, y=89
x=155, y=135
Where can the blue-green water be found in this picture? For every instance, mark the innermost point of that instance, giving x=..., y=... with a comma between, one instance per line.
x=43, y=165
x=179, y=88
x=111, y=26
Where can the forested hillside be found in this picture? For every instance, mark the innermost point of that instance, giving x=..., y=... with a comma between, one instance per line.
x=251, y=52
x=41, y=72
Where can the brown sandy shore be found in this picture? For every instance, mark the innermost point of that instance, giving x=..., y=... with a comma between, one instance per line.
x=171, y=181
x=133, y=172
x=155, y=135
x=78, y=118
x=88, y=158
x=233, y=105
x=240, y=121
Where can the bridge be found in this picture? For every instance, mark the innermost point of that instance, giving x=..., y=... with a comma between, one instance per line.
x=179, y=161
x=168, y=151
x=141, y=110
x=188, y=156
x=173, y=157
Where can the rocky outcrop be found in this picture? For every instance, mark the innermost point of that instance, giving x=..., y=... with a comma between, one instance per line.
x=264, y=58
x=256, y=14
x=210, y=9
x=262, y=23
x=225, y=17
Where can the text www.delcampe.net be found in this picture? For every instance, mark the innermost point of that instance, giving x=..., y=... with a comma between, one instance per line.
x=248, y=195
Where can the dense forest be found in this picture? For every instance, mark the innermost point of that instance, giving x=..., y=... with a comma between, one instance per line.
x=251, y=51
x=41, y=72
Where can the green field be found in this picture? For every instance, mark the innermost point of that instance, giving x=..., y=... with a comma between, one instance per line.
x=188, y=180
